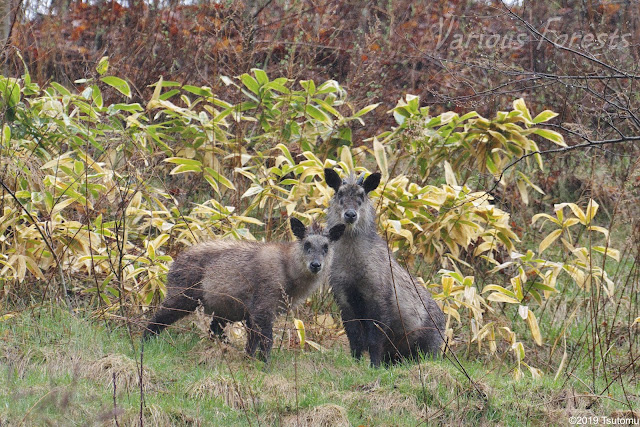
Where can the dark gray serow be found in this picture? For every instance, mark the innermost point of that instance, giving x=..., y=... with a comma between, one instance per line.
x=384, y=311
x=247, y=281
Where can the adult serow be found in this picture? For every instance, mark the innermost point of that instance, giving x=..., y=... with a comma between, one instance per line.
x=384, y=310
x=247, y=281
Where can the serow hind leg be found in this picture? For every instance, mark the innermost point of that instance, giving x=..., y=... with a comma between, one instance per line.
x=217, y=327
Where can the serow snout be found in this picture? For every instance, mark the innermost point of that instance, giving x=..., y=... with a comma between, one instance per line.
x=315, y=266
x=350, y=216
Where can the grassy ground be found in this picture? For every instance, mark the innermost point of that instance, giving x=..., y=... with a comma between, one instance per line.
x=57, y=369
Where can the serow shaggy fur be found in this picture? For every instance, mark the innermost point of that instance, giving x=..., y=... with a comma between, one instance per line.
x=384, y=310
x=247, y=281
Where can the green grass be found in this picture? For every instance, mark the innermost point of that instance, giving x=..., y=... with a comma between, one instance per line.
x=61, y=370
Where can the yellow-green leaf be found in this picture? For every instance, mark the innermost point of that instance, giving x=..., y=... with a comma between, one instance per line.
x=185, y=168
x=544, y=215
x=576, y=274
x=219, y=178
x=533, y=326
x=613, y=253
x=449, y=176
x=183, y=161
x=299, y=324
x=599, y=229
x=381, y=158
x=118, y=84
x=7, y=316
x=103, y=65
x=546, y=115
x=549, y=240
x=345, y=156
x=500, y=297
x=317, y=114
x=366, y=109
x=500, y=289
x=519, y=105
x=522, y=189
x=563, y=362
x=552, y=136
x=592, y=209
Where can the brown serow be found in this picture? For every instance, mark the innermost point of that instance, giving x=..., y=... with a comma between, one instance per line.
x=247, y=281
x=384, y=310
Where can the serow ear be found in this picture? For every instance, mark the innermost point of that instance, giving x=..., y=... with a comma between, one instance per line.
x=298, y=228
x=372, y=182
x=332, y=178
x=336, y=232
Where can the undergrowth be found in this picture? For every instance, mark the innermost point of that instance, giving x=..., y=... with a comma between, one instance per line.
x=65, y=369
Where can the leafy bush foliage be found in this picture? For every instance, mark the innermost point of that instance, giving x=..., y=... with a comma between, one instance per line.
x=97, y=198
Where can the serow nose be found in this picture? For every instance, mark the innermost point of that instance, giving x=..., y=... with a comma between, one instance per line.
x=315, y=266
x=350, y=216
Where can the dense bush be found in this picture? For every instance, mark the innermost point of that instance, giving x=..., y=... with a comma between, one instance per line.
x=98, y=198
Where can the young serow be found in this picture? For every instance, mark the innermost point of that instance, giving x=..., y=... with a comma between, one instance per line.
x=384, y=311
x=247, y=281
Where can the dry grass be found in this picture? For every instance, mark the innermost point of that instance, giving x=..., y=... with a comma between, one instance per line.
x=121, y=369
x=233, y=395
x=328, y=415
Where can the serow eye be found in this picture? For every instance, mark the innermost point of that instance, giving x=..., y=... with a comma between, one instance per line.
x=325, y=248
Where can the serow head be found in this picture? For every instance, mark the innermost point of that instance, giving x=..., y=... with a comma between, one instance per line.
x=351, y=194
x=316, y=243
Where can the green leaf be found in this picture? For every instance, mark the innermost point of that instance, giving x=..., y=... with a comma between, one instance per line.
x=519, y=105
x=552, y=136
x=96, y=96
x=500, y=289
x=103, y=65
x=543, y=287
x=219, y=178
x=185, y=168
x=250, y=83
x=277, y=86
x=200, y=91
x=613, y=253
x=61, y=89
x=498, y=136
x=118, y=84
x=546, y=115
x=10, y=91
x=366, y=109
x=261, y=76
x=169, y=94
x=127, y=107
x=6, y=135
x=183, y=161
x=345, y=135
x=317, y=114
x=309, y=86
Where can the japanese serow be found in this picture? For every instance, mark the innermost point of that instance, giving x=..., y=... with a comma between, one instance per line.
x=384, y=310
x=247, y=281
